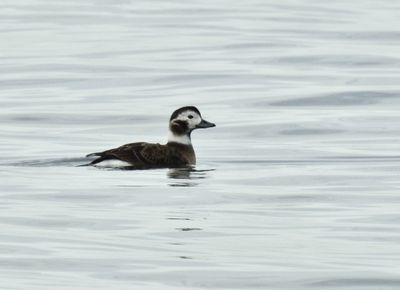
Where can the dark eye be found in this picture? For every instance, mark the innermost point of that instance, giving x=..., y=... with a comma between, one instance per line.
x=190, y=116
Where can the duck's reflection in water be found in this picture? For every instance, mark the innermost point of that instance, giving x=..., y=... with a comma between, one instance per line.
x=187, y=177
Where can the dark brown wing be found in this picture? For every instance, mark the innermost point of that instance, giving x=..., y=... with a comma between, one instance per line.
x=143, y=155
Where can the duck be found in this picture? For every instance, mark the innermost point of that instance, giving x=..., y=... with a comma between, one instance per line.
x=177, y=152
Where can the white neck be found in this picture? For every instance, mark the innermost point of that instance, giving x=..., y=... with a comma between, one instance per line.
x=181, y=139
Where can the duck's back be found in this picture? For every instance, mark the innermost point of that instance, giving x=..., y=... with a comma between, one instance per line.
x=148, y=155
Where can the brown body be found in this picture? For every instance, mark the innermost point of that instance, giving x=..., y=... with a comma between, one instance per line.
x=148, y=155
x=178, y=152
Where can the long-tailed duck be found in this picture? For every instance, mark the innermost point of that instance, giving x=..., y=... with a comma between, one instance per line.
x=178, y=152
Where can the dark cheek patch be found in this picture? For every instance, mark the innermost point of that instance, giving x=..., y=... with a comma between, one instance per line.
x=179, y=127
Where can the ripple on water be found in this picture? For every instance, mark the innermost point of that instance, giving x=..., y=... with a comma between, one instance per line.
x=296, y=188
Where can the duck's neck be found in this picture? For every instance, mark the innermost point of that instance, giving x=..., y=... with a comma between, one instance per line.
x=182, y=145
x=180, y=139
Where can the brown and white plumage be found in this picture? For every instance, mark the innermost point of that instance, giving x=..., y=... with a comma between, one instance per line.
x=178, y=152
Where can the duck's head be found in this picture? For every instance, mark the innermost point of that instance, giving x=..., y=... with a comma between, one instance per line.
x=183, y=121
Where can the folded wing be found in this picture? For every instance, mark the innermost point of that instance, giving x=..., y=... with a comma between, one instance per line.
x=142, y=155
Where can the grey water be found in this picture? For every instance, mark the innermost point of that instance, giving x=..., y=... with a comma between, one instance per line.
x=298, y=186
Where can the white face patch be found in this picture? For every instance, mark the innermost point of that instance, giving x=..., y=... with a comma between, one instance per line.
x=191, y=117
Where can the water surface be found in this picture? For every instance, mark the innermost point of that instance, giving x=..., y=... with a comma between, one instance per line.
x=296, y=188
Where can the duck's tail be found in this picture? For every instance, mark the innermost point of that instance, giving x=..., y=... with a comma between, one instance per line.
x=94, y=154
x=96, y=160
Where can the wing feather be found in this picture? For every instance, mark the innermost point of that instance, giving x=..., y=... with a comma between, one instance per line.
x=143, y=155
